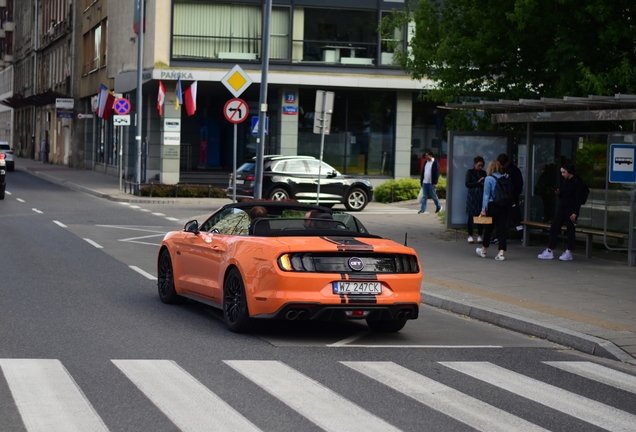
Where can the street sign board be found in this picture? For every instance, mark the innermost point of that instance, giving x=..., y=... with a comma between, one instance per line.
x=236, y=110
x=621, y=164
x=236, y=81
x=171, y=138
x=65, y=103
x=172, y=124
x=255, y=125
x=121, y=120
x=326, y=98
x=121, y=106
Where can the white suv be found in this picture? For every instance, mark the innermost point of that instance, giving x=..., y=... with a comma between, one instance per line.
x=5, y=149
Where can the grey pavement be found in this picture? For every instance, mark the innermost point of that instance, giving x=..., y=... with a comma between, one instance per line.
x=586, y=304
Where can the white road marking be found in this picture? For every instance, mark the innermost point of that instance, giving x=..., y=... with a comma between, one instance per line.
x=585, y=409
x=350, y=339
x=19, y=199
x=134, y=206
x=145, y=210
x=466, y=409
x=7, y=192
x=98, y=246
x=598, y=373
x=158, y=214
x=136, y=240
x=183, y=399
x=36, y=210
x=124, y=203
x=172, y=219
x=143, y=273
x=48, y=398
x=134, y=228
x=417, y=346
x=325, y=408
x=59, y=223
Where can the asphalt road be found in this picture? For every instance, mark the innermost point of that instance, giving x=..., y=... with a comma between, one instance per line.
x=85, y=341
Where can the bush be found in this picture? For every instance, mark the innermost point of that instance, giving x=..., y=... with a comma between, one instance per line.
x=405, y=189
x=184, y=191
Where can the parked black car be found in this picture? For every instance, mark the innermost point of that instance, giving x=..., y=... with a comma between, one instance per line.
x=3, y=176
x=296, y=177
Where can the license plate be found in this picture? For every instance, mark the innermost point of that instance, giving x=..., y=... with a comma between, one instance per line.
x=357, y=288
x=240, y=181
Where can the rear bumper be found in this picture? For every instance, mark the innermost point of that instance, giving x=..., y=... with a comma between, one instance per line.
x=315, y=311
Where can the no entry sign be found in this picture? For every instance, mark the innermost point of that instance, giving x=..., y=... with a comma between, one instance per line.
x=236, y=110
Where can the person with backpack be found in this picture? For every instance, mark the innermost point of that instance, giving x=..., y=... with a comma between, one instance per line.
x=496, y=202
x=572, y=195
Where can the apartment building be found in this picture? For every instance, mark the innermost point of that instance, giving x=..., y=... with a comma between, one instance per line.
x=7, y=29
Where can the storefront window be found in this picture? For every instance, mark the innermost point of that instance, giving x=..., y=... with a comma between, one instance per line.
x=428, y=133
x=362, y=135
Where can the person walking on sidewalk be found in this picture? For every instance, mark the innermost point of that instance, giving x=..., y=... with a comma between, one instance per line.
x=571, y=195
x=499, y=213
x=475, y=183
x=428, y=180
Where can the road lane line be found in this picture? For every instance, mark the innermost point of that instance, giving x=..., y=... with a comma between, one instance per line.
x=20, y=199
x=597, y=373
x=48, y=398
x=172, y=219
x=145, y=210
x=134, y=207
x=325, y=408
x=124, y=203
x=350, y=339
x=158, y=214
x=184, y=400
x=98, y=246
x=466, y=409
x=36, y=210
x=143, y=273
x=585, y=409
x=7, y=192
x=59, y=223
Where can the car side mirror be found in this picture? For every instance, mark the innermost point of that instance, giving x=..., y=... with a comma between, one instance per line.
x=332, y=174
x=192, y=227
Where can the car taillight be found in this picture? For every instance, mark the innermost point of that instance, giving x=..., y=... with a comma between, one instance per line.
x=1, y=156
x=250, y=178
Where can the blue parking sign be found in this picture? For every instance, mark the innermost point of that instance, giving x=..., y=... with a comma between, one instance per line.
x=255, y=125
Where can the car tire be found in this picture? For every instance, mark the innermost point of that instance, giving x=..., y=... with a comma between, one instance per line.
x=356, y=199
x=387, y=326
x=10, y=167
x=2, y=192
x=235, y=313
x=279, y=194
x=165, y=280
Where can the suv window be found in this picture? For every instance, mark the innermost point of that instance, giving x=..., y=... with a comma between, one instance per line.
x=291, y=167
x=314, y=164
x=247, y=167
x=4, y=146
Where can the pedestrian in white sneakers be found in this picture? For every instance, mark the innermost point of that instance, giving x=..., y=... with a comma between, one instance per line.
x=475, y=183
x=496, y=201
x=572, y=194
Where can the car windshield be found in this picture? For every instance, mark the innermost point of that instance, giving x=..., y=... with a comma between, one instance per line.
x=5, y=147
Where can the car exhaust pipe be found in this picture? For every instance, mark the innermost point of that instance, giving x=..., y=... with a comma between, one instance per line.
x=302, y=315
x=400, y=315
x=408, y=314
x=291, y=315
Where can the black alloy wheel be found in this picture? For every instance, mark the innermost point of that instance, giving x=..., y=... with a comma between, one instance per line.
x=235, y=313
x=387, y=326
x=165, y=280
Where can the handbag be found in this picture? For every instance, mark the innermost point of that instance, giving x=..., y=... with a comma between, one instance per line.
x=482, y=220
x=420, y=196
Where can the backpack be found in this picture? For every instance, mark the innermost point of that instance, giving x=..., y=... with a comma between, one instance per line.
x=503, y=191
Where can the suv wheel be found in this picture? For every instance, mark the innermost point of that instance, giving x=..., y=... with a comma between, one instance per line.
x=279, y=194
x=356, y=199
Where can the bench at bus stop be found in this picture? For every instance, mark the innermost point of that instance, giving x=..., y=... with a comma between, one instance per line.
x=588, y=232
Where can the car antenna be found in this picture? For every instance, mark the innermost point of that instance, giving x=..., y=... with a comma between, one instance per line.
x=405, y=234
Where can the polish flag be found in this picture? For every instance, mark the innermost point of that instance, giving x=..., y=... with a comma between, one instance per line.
x=105, y=102
x=190, y=97
x=161, y=98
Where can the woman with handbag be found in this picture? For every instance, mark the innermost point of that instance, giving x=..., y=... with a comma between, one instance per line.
x=475, y=183
x=497, y=211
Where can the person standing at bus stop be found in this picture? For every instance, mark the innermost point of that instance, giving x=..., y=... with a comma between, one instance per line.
x=428, y=180
x=475, y=183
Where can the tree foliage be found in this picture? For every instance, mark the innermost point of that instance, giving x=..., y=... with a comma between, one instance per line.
x=511, y=49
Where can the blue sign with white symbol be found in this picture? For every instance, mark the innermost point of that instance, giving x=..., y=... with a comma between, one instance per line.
x=290, y=97
x=290, y=110
x=255, y=125
x=621, y=163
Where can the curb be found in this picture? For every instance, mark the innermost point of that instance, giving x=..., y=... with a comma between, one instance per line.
x=570, y=338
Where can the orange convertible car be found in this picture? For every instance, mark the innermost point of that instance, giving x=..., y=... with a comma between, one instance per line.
x=293, y=261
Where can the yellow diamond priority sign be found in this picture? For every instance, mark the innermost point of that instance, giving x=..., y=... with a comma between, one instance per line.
x=236, y=81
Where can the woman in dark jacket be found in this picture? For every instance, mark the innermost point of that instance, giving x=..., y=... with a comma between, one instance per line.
x=475, y=184
x=571, y=196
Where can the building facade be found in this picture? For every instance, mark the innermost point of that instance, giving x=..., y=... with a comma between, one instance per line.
x=7, y=30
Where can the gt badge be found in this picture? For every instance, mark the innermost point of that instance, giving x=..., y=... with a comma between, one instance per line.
x=356, y=264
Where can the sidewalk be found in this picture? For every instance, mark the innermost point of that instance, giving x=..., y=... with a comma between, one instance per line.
x=589, y=305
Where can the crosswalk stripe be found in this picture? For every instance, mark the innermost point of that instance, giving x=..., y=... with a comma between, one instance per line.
x=322, y=406
x=48, y=398
x=593, y=412
x=598, y=373
x=466, y=409
x=185, y=401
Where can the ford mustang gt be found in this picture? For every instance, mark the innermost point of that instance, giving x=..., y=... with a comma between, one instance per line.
x=291, y=261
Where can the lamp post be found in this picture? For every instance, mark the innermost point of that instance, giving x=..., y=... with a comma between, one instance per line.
x=262, y=103
x=140, y=67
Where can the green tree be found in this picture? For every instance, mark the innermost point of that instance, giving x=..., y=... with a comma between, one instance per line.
x=511, y=49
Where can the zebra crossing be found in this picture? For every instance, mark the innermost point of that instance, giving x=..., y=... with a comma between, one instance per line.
x=48, y=398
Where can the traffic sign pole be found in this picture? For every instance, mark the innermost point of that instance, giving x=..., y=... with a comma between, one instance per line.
x=234, y=171
x=262, y=103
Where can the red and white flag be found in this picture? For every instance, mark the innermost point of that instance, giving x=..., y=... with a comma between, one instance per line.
x=190, y=98
x=105, y=101
x=161, y=98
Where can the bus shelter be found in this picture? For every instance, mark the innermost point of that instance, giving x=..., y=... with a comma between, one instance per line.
x=610, y=207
